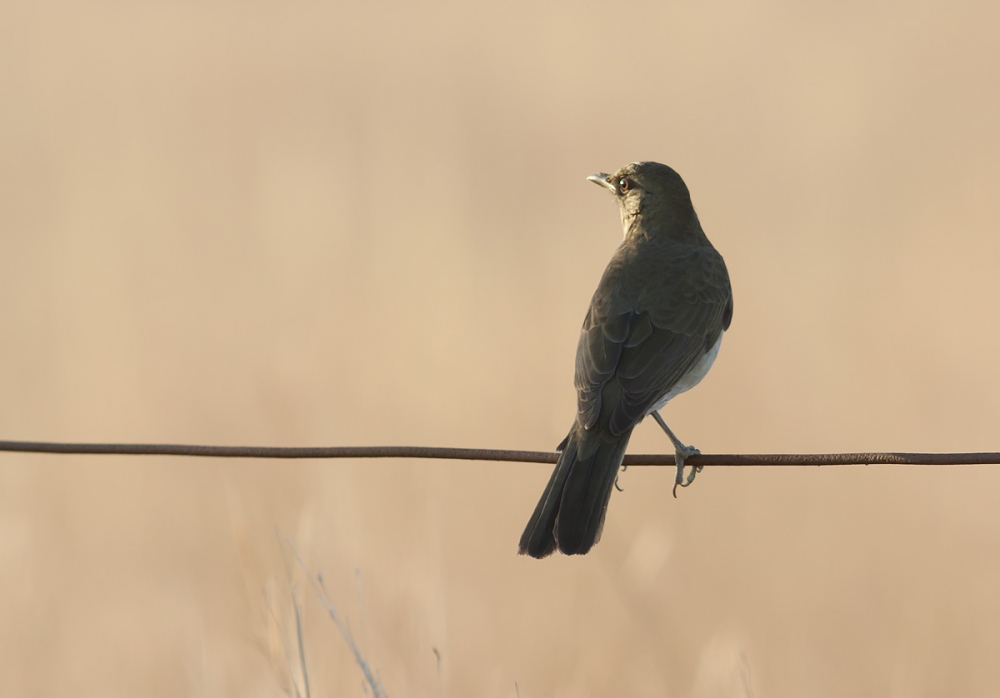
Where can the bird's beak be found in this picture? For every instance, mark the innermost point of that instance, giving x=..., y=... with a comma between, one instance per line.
x=604, y=180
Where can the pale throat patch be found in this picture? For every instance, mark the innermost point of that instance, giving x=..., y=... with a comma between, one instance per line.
x=692, y=377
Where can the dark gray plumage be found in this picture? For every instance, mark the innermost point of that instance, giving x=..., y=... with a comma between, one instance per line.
x=652, y=331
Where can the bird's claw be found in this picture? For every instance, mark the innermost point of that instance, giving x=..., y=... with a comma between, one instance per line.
x=681, y=452
x=679, y=457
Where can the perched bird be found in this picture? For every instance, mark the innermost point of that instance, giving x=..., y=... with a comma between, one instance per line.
x=652, y=331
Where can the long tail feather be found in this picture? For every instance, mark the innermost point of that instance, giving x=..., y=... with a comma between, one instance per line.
x=570, y=514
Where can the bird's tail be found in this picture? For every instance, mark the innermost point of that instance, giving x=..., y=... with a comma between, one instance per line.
x=570, y=514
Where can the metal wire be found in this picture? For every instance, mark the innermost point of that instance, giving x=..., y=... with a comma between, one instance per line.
x=485, y=454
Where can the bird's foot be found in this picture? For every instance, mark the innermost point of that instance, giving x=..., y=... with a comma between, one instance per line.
x=681, y=453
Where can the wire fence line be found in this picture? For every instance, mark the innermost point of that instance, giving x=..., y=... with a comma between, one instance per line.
x=485, y=454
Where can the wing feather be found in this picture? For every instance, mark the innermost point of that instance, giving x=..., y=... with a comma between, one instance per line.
x=640, y=338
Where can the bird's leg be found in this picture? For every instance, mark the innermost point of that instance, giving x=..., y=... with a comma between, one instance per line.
x=681, y=452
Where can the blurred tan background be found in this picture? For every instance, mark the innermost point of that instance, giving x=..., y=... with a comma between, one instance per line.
x=365, y=223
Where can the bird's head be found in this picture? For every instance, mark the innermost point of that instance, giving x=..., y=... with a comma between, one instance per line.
x=651, y=195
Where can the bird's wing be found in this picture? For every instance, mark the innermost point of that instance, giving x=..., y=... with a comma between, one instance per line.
x=635, y=347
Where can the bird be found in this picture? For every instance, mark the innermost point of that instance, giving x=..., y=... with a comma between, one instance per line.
x=652, y=332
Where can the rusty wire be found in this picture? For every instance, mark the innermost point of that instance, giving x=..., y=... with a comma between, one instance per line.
x=484, y=454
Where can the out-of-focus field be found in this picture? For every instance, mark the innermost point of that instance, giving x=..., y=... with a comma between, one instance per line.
x=357, y=223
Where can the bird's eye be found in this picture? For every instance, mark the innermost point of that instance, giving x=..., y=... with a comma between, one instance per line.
x=624, y=184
